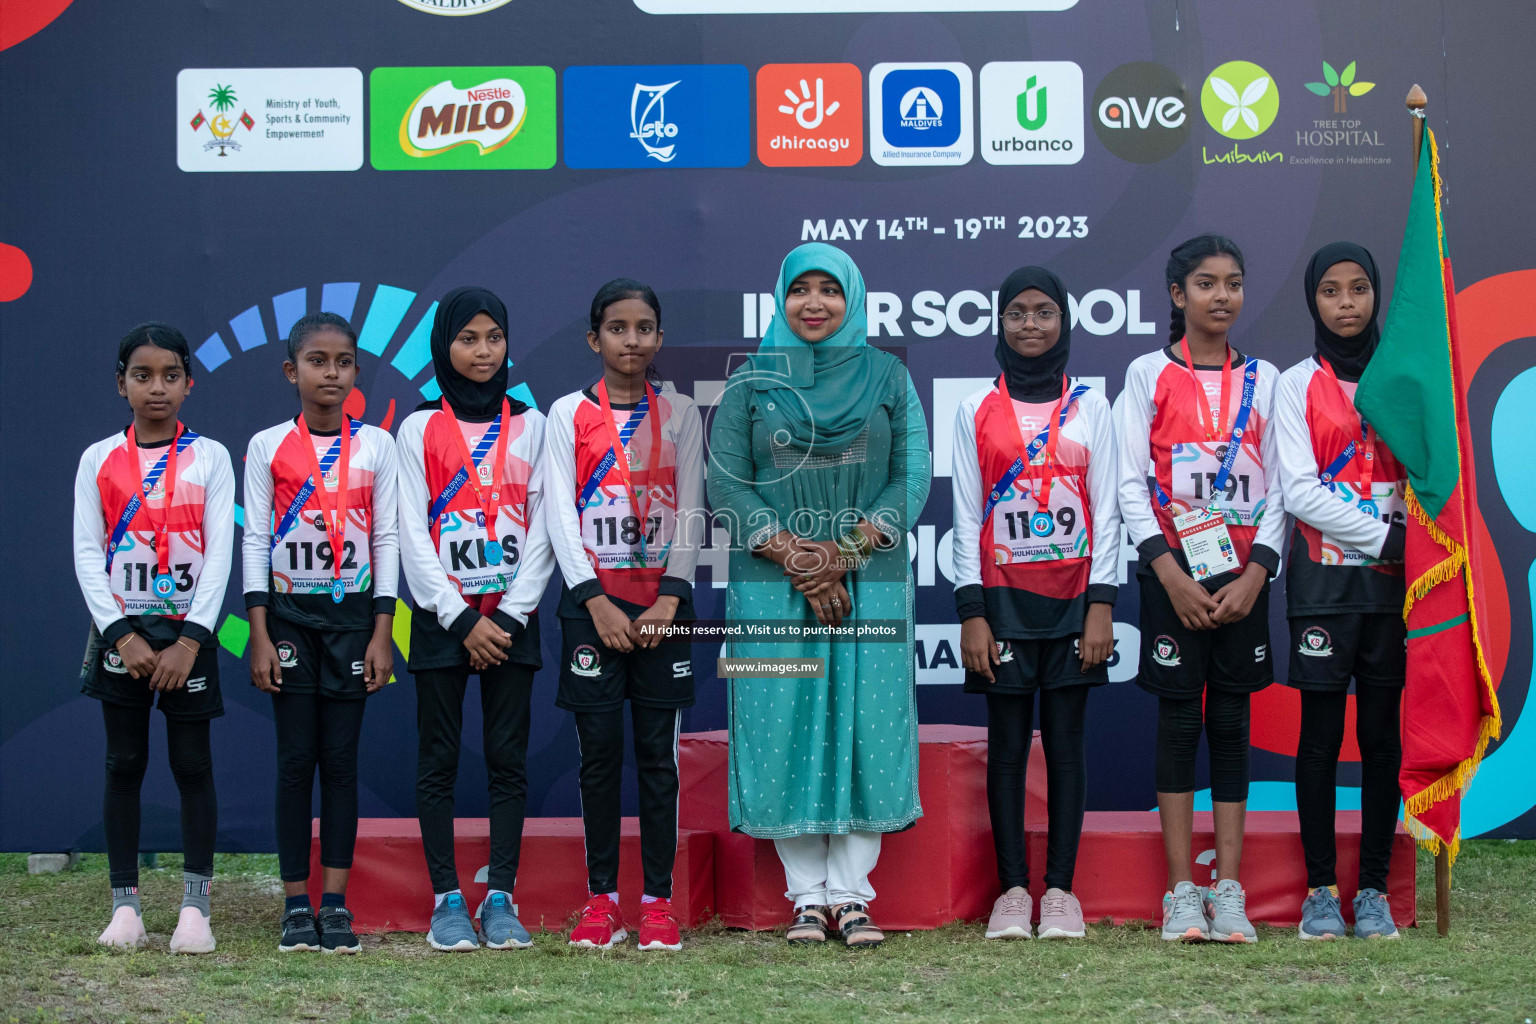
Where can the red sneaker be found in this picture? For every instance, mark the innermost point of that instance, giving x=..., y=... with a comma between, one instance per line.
x=601, y=927
x=658, y=926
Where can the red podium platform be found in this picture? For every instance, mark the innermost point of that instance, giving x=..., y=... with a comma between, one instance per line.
x=389, y=890
x=944, y=868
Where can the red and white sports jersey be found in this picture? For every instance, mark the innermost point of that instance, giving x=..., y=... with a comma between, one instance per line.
x=201, y=531
x=604, y=540
x=1162, y=439
x=1034, y=582
x=443, y=534
x=286, y=548
x=1339, y=529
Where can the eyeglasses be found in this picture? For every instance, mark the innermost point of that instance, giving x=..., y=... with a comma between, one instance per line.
x=1015, y=320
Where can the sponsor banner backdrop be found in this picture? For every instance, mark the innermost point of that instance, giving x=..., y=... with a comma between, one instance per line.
x=691, y=143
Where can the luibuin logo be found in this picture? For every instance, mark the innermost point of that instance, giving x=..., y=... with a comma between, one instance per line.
x=1240, y=100
x=648, y=125
x=1032, y=122
x=1341, y=84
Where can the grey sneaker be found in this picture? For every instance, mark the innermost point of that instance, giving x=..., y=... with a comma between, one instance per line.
x=1227, y=907
x=1183, y=915
x=1061, y=916
x=499, y=925
x=1321, y=915
x=1011, y=914
x=1373, y=918
x=452, y=931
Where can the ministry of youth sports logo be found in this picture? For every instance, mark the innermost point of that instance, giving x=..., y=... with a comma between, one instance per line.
x=1165, y=651
x=1315, y=643
x=648, y=122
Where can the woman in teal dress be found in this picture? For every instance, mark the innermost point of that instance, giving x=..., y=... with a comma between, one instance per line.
x=819, y=463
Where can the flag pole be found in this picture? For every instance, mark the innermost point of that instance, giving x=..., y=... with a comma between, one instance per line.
x=1416, y=103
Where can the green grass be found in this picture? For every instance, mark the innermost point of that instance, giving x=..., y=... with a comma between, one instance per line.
x=52, y=970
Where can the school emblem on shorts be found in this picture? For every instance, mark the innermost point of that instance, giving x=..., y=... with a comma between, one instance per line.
x=585, y=662
x=1165, y=651
x=1315, y=643
x=113, y=662
x=1004, y=652
x=287, y=654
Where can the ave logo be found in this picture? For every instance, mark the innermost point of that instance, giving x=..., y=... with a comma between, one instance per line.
x=1140, y=112
x=1032, y=112
x=810, y=115
x=920, y=114
x=456, y=119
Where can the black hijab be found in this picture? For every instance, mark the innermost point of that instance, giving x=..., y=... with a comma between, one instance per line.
x=468, y=399
x=1037, y=379
x=1348, y=355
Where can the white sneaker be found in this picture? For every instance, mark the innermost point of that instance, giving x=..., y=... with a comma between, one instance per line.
x=126, y=930
x=193, y=934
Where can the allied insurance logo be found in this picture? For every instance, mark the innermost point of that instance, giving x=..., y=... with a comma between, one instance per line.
x=1140, y=112
x=435, y=119
x=679, y=115
x=1032, y=112
x=920, y=114
x=810, y=115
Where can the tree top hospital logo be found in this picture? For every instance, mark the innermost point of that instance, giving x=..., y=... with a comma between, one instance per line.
x=810, y=115
x=1240, y=100
x=1032, y=112
x=476, y=118
x=1340, y=85
x=920, y=114
x=1140, y=112
x=682, y=115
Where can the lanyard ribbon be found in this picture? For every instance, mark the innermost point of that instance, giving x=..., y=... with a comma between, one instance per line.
x=1367, y=442
x=331, y=513
x=619, y=439
x=1046, y=436
x=170, y=457
x=489, y=495
x=306, y=489
x=1239, y=426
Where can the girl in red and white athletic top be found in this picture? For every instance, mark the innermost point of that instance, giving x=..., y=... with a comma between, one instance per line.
x=1344, y=593
x=1037, y=543
x=1200, y=495
x=477, y=558
x=322, y=558
x=626, y=495
x=154, y=526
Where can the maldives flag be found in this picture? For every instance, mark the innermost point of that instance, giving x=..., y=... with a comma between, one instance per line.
x=1414, y=392
x=246, y=119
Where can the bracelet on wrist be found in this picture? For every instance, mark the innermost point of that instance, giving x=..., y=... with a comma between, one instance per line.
x=186, y=646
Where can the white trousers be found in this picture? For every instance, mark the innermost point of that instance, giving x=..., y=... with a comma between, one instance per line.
x=825, y=870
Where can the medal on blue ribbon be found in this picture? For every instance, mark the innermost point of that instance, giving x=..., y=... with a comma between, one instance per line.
x=493, y=553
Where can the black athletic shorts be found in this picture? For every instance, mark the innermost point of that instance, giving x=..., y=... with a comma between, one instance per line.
x=109, y=681
x=1178, y=662
x=1326, y=650
x=1030, y=665
x=594, y=677
x=329, y=663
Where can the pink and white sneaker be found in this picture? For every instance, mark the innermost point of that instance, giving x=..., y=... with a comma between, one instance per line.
x=1011, y=914
x=126, y=930
x=1061, y=916
x=193, y=934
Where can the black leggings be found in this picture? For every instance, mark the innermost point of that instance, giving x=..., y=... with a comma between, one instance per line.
x=1225, y=719
x=504, y=705
x=1317, y=761
x=601, y=735
x=1009, y=730
x=127, y=759
x=316, y=731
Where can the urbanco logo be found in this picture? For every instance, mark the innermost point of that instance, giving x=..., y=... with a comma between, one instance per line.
x=1240, y=100
x=920, y=114
x=1140, y=112
x=1341, y=85
x=1032, y=112
x=680, y=115
x=474, y=118
x=810, y=115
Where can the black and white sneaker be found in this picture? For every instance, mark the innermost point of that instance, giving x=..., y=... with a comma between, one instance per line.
x=300, y=934
x=336, y=934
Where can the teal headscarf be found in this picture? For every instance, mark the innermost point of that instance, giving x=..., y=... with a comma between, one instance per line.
x=829, y=388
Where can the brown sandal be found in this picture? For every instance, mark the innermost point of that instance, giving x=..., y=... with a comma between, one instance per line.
x=856, y=927
x=809, y=927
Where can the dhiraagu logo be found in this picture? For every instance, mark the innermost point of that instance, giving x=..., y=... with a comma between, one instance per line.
x=1240, y=100
x=435, y=119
